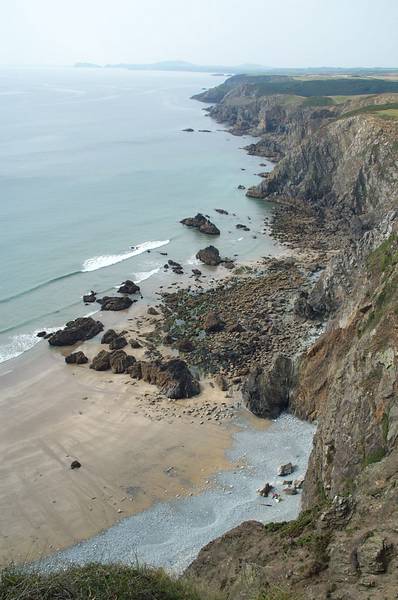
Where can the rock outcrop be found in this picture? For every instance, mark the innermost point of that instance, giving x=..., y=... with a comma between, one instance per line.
x=202, y=223
x=267, y=393
x=75, y=331
x=115, y=302
x=129, y=287
x=209, y=256
x=173, y=378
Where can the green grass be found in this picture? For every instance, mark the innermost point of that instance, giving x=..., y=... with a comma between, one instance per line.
x=384, y=257
x=374, y=457
x=98, y=582
x=389, y=111
x=318, y=101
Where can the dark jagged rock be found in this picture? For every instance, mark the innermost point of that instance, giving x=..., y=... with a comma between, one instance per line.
x=118, y=342
x=173, y=378
x=209, y=256
x=115, y=302
x=75, y=464
x=101, y=361
x=196, y=272
x=241, y=187
x=266, y=394
x=188, y=129
x=213, y=323
x=76, y=358
x=241, y=226
x=75, y=331
x=152, y=311
x=109, y=336
x=221, y=382
x=91, y=297
x=41, y=334
x=202, y=223
x=129, y=287
x=176, y=267
x=120, y=362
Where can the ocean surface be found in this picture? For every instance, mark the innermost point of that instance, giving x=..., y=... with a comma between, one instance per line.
x=93, y=162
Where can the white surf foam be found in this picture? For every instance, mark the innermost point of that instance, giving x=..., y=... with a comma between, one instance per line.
x=99, y=262
x=143, y=275
x=20, y=343
x=193, y=261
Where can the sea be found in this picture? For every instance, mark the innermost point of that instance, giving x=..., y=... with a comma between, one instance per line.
x=96, y=173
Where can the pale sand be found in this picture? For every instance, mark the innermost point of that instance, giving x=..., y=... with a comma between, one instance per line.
x=51, y=413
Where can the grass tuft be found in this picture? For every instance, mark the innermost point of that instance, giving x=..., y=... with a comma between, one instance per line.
x=98, y=582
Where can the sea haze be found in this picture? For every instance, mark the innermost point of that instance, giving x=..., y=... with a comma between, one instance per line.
x=94, y=161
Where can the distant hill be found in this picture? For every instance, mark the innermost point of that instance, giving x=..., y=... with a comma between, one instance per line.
x=247, y=68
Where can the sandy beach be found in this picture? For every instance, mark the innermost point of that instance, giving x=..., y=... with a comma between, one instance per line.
x=135, y=447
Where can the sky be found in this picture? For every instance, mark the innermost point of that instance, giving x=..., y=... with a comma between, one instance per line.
x=274, y=33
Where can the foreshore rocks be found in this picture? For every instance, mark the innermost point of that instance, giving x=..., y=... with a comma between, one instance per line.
x=129, y=287
x=115, y=302
x=266, y=393
x=202, y=223
x=209, y=256
x=75, y=331
x=117, y=360
x=118, y=343
x=76, y=358
x=173, y=378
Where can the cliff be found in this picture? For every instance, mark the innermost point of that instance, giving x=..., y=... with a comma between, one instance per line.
x=338, y=165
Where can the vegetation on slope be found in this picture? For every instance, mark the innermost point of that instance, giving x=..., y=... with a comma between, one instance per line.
x=261, y=85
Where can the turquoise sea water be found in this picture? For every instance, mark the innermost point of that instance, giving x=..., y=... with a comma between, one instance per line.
x=94, y=161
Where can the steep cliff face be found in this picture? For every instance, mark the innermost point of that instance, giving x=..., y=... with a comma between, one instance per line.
x=344, y=545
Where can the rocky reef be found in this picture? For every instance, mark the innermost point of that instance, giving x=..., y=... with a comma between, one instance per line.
x=336, y=189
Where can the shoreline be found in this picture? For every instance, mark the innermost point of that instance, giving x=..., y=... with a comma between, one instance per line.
x=82, y=427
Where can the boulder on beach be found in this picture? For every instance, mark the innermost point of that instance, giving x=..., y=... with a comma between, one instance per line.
x=202, y=223
x=188, y=129
x=41, y=334
x=115, y=302
x=75, y=331
x=119, y=361
x=241, y=226
x=286, y=469
x=118, y=342
x=101, y=361
x=109, y=336
x=76, y=358
x=213, y=323
x=209, y=256
x=152, y=311
x=221, y=211
x=197, y=272
x=266, y=393
x=129, y=287
x=173, y=378
x=75, y=464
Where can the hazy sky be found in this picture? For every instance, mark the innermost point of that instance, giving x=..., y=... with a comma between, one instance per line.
x=270, y=32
